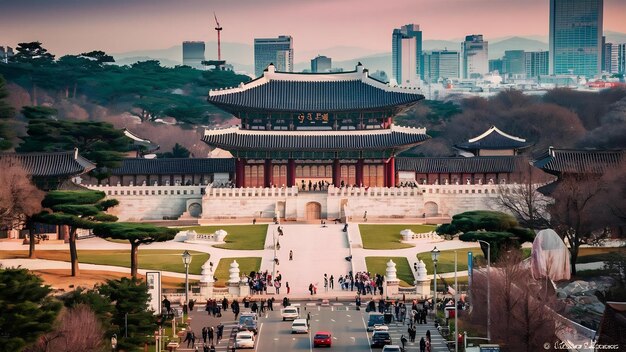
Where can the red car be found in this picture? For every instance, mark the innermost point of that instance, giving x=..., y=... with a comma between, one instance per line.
x=322, y=338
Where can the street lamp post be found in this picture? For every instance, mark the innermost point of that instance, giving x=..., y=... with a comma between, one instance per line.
x=435, y=257
x=186, y=261
x=488, y=288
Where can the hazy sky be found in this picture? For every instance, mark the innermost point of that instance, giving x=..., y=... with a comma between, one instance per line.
x=73, y=26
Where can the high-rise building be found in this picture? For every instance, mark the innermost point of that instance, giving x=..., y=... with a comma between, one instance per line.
x=621, y=58
x=514, y=63
x=536, y=63
x=610, y=58
x=575, y=39
x=440, y=64
x=495, y=65
x=406, y=53
x=475, y=56
x=321, y=64
x=193, y=54
x=278, y=51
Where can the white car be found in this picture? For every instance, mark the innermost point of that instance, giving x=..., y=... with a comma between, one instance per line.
x=290, y=313
x=392, y=348
x=244, y=339
x=299, y=326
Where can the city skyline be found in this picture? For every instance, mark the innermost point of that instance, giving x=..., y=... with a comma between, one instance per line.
x=118, y=26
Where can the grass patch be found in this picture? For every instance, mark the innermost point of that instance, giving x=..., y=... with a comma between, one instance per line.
x=388, y=236
x=151, y=259
x=446, y=259
x=240, y=237
x=378, y=265
x=246, y=265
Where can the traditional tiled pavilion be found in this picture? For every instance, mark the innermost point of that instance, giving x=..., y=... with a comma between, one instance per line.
x=335, y=128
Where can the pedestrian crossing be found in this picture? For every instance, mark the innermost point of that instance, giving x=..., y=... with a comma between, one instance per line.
x=397, y=329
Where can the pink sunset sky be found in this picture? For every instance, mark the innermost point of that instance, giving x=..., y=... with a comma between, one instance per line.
x=73, y=26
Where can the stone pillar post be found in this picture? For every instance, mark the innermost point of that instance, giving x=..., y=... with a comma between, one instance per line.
x=391, y=280
x=359, y=172
x=233, y=279
x=422, y=282
x=267, y=173
x=206, y=281
x=291, y=173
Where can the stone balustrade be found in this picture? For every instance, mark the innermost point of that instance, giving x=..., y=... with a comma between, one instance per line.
x=251, y=192
x=145, y=190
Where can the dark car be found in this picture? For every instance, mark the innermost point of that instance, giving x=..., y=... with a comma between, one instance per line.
x=248, y=322
x=375, y=319
x=381, y=338
x=322, y=338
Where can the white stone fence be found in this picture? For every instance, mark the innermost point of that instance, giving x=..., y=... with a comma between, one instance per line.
x=252, y=192
x=113, y=191
x=373, y=191
x=408, y=236
x=191, y=236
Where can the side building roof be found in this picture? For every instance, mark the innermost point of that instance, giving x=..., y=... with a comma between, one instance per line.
x=494, y=138
x=392, y=138
x=168, y=166
x=313, y=92
x=54, y=164
x=558, y=161
x=478, y=164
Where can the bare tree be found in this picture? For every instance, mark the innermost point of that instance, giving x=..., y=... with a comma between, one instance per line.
x=523, y=201
x=20, y=199
x=78, y=330
x=521, y=317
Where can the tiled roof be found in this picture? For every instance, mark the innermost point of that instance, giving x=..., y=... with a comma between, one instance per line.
x=557, y=161
x=478, y=164
x=137, y=166
x=57, y=164
x=347, y=91
x=493, y=138
x=235, y=139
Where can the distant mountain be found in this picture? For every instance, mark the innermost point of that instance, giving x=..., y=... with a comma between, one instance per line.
x=497, y=49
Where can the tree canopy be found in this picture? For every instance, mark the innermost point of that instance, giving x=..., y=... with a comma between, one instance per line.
x=500, y=230
x=135, y=233
x=76, y=209
x=28, y=310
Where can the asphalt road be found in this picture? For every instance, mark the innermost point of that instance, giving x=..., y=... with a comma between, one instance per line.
x=347, y=325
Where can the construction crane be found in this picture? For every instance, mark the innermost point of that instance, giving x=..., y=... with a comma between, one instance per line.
x=218, y=28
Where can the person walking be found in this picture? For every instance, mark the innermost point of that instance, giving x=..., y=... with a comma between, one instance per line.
x=290, y=255
x=210, y=334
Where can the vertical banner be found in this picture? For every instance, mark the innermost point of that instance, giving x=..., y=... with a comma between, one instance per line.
x=153, y=280
x=470, y=266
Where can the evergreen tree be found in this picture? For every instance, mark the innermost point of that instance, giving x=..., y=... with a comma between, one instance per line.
x=27, y=311
x=77, y=210
x=130, y=298
x=137, y=234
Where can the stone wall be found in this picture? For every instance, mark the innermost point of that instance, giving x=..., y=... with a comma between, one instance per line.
x=151, y=202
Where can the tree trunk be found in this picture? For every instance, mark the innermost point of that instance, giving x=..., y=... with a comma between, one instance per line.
x=134, y=248
x=31, y=243
x=73, y=253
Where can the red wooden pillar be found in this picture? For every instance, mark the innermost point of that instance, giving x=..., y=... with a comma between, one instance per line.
x=336, y=173
x=359, y=172
x=267, y=173
x=240, y=173
x=291, y=173
x=391, y=166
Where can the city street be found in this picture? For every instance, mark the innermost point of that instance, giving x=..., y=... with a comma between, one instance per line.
x=347, y=325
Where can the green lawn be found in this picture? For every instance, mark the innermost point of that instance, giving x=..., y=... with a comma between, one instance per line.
x=378, y=265
x=388, y=236
x=240, y=237
x=246, y=265
x=152, y=259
